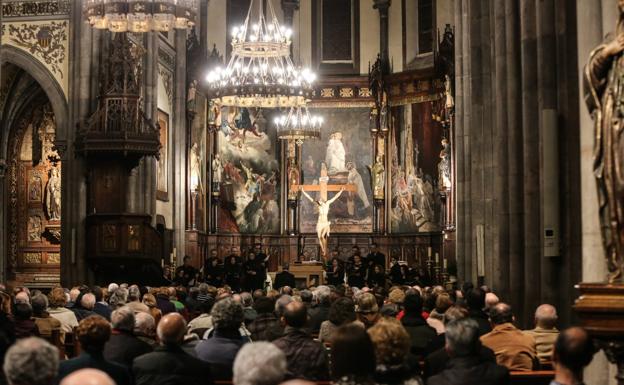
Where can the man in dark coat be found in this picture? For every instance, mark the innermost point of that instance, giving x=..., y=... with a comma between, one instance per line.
x=266, y=327
x=93, y=332
x=285, y=278
x=420, y=332
x=475, y=300
x=123, y=347
x=168, y=363
x=185, y=275
x=465, y=366
x=306, y=357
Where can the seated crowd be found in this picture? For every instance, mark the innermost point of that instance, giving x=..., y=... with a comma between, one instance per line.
x=129, y=334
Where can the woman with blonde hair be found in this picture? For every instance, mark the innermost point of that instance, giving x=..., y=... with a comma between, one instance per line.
x=150, y=301
x=395, y=365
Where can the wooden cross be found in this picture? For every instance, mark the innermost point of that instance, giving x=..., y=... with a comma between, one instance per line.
x=323, y=187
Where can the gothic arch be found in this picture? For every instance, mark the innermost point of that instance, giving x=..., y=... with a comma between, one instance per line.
x=49, y=85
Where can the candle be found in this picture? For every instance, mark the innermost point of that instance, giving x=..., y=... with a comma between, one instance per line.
x=429, y=252
x=437, y=258
x=445, y=261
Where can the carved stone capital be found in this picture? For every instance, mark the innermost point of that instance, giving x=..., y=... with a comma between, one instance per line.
x=382, y=5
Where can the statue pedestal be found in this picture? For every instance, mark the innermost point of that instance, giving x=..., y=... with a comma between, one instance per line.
x=600, y=308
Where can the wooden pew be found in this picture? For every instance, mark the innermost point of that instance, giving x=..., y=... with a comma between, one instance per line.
x=539, y=377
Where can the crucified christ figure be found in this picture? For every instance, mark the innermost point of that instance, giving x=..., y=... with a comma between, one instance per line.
x=323, y=224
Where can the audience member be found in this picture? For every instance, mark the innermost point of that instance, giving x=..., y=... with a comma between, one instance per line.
x=306, y=357
x=367, y=309
x=46, y=325
x=341, y=312
x=150, y=301
x=260, y=363
x=284, y=278
x=88, y=377
x=93, y=332
x=23, y=321
x=573, y=351
x=7, y=328
x=118, y=298
x=134, y=300
x=545, y=333
x=145, y=328
x=248, y=311
x=162, y=301
x=31, y=361
x=84, y=307
x=465, y=366
x=266, y=326
x=421, y=334
x=475, y=300
x=56, y=309
x=168, y=363
x=123, y=346
x=22, y=297
x=491, y=300
x=101, y=307
x=225, y=340
x=200, y=324
x=74, y=293
x=436, y=316
x=353, y=356
x=512, y=348
x=319, y=312
x=392, y=347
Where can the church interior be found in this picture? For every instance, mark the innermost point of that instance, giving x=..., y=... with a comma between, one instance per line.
x=463, y=147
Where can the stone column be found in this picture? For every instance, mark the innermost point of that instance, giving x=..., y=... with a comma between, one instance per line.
x=179, y=146
x=382, y=6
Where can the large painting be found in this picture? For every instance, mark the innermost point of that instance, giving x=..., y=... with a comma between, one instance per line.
x=345, y=152
x=249, y=184
x=162, y=170
x=415, y=146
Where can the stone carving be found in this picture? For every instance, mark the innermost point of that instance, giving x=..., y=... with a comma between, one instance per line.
x=217, y=174
x=604, y=91
x=53, y=258
x=32, y=258
x=134, y=238
x=46, y=133
x=109, y=237
x=53, y=195
x=35, y=8
x=444, y=166
x=167, y=78
x=34, y=228
x=34, y=187
x=378, y=176
x=53, y=233
x=45, y=41
x=196, y=177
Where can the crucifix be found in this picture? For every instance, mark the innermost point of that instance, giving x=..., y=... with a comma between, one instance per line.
x=323, y=224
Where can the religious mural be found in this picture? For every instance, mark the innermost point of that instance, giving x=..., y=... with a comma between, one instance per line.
x=343, y=155
x=248, y=171
x=415, y=146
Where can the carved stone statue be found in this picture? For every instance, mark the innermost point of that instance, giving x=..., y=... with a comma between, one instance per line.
x=196, y=177
x=378, y=174
x=217, y=173
x=53, y=195
x=604, y=92
x=191, y=103
x=444, y=166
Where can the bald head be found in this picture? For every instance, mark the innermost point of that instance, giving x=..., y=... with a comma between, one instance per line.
x=574, y=350
x=88, y=377
x=295, y=314
x=501, y=313
x=546, y=316
x=491, y=300
x=171, y=329
x=22, y=297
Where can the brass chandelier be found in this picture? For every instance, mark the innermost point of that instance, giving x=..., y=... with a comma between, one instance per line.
x=141, y=15
x=260, y=72
x=298, y=124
